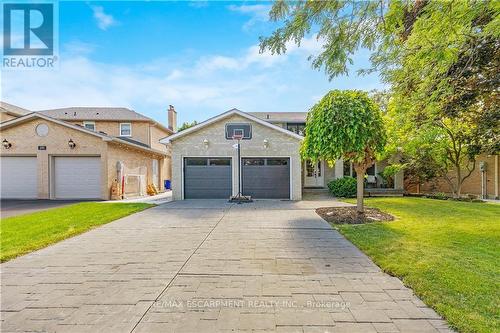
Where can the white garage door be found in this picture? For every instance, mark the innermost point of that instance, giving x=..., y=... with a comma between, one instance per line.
x=77, y=177
x=19, y=177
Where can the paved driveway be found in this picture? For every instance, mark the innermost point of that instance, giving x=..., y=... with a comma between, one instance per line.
x=203, y=266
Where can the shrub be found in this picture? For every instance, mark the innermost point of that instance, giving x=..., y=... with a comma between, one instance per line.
x=439, y=196
x=343, y=187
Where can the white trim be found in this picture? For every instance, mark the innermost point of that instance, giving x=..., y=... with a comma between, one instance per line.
x=323, y=172
x=205, y=156
x=291, y=174
x=85, y=123
x=226, y=114
x=129, y=135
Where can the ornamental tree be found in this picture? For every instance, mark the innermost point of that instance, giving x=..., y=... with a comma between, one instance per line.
x=345, y=125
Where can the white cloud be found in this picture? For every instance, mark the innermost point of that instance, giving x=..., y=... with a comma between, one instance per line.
x=198, y=87
x=104, y=21
x=258, y=13
x=78, y=48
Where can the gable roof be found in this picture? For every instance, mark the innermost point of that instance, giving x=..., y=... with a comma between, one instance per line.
x=12, y=109
x=103, y=136
x=225, y=115
x=285, y=117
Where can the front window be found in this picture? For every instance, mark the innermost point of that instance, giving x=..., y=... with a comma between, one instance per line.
x=297, y=128
x=125, y=129
x=89, y=125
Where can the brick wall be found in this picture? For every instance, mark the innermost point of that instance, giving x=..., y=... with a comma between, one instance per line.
x=280, y=145
x=472, y=185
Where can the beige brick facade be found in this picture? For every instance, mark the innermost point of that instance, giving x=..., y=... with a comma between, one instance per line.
x=280, y=145
x=25, y=142
x=140, y=129
x=473, y=184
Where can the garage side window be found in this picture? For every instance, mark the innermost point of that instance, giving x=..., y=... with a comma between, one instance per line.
x=277, y=161
x=219, y=162
x=253, y=161
x=125, y=129
x=193, y=161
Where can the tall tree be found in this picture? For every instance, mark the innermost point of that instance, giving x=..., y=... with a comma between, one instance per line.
x=440, y=59
x=345, y=125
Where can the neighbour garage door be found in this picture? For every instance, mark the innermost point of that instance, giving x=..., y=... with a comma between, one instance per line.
x=207, y=178
x=77, y=177
x=266, y=178
x=19, y=177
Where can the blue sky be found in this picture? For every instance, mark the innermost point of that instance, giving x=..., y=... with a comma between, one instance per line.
x=201, y=57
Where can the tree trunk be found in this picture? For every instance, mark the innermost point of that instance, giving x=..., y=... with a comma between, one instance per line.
x=360, y=191
x=458, y=188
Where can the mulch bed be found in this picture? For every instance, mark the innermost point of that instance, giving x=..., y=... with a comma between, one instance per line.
x=349, y=215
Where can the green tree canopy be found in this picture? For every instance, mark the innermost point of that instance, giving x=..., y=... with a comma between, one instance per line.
x=440, y=59
x=345, y=125
x=186, y=125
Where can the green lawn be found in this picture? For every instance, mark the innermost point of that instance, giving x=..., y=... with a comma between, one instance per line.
x=26, y=233
x=447, y=251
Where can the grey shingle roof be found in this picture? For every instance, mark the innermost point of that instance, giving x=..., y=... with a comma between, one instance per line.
x=278, y=117
x=95, y=113
x=14, y=109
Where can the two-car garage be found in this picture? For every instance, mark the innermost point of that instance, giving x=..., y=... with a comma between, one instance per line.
x=71, y=177
x=212, y=177
x=211, y=159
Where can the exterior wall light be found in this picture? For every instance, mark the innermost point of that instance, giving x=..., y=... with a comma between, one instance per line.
x=71, y=144
x=266, y=143
x=205, y=143
x=6, y=144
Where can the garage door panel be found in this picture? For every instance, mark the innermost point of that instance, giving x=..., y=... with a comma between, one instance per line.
x=270, y=179
x=19, y=177
x=77, y=177
x=208, y=179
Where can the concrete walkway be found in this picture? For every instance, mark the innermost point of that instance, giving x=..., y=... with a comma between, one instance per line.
x=209, y=266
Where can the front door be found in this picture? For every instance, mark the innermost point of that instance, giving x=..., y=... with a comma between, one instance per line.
x=314, y=174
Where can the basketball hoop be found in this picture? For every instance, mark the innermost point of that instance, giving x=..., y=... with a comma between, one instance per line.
x=238, y=135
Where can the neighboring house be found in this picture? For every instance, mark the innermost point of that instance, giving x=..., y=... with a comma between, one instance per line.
x=484, y=181
x=9, y=111
x=205, y=163
x=77, y=153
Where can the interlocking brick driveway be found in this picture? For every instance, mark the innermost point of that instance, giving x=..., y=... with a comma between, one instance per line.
x=203, y=266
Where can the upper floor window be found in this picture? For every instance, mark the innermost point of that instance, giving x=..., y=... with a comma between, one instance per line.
x=89, y=125
x=298, y=128
x=125, y=129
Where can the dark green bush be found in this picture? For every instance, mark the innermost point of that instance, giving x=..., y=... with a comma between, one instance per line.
x=343, y=187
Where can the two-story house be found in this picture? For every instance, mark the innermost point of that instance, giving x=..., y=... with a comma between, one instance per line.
x=80, y=152
x=205, y=163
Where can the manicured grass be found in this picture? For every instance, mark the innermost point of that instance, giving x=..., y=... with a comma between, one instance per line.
x=448, y=252
x=26, y=233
